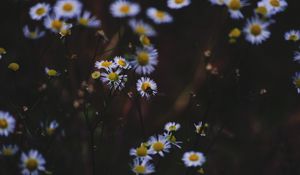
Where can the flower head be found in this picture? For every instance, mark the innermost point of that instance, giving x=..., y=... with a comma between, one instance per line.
x=201, y=129
x=141, y=152
x=159, y=144
x=124, y=8
x=141, y=28
x=67, y=8
x=114, y=78
x=39, y=10
x=142, y=167
x=177, y=4
x=32, y=34
x=146, y=87
x=32, y=162
x=13, y=66
x=7, y=124
x=145, y=60
x=256, y=30
x=9, y=150
x=2, y=52
x=234, y=7
x=87, y=20
x=104, y=64
x=121, y=62
x=292, y=35
x=172, y=126
x=296, y=81
x=193, y=159
x=158, y=16
x=51, y=72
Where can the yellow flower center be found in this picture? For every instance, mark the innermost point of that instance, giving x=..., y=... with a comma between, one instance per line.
x=293, y=38
x=96, y=74
x=143, y=58
x=172, y=128
x=40, y=11
x=3, y=123
x=297, y=84
x=145, y=40
x=14, y=66
x=146, y=86
x=275, y=3
x=255, y=30
x=122, y=62
x=235, y=33
x=140, y=29
x=158, y=146
x=125, y=9
x=83, y=21
x=56, y=24
x=140, y=169
x=7, y=152
x=68, y=7
x=52, y=72
x=262, y=10
x=194, y=157
x=106, y=63
x=160, y=14
x=141, y=151
x=179, y=1
x=31, y=164
x=234, y=4
x=113, y=76
x=2, y=50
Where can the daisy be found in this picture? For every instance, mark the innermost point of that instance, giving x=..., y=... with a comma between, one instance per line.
x=7, y=123
x=292, y=35
x=51, y=72
x=263, y=9
x=172, y=126
x=114, y=79
x=172, y=139
x=141, y=152
x=256, y=30
x=121, y=62
x=52, y=127
x=145, y=60
x=193, y=159
x=67, y=8
x=54, y=23
x=9, y=150
x=32, y=163
x=200, y=129
x=275, y=5
x=159, y=16
x=87, y=20
x=159, y=145
x=35, y=34
x=124, y=8
x=95, y=75
x=177, y=4
x=39, y=10
x=217, y=2
x=297, y=56
x=13, y=66
x=2, y=52
x=146, y=87
x=104, y=64
x=142, y=167
x=145, y=41
x=234, y=7
x=141, y=28
x=296, y=81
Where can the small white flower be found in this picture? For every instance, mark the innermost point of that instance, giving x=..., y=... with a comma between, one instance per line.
x=292, y=35
x=104, y=65
x=7, y=124
x=172, y=139
x=264, y=10
x=145, y=60
x=193, y=159
x=296, y=81
x=87, y=20
x=234, y=7
x=54, y=23
x=172, y=126
x=297, y=56
x=67, y=8
x=39, y=10
x=158, y=16
x=114, y=79
x=33, y=34
x=52, y=127
x=159, y=144
x=9, y=150
x=256, y=30
x=141, y=28
x=200, y=128
x=124, y=8
x=51, y=72
x=121, y=62
x=2, y=52
x=177, y=4
x=146, y=87
x=141, y=152
x=142, y=167
x=32, y=163
x=275, y=5
x=217, y=2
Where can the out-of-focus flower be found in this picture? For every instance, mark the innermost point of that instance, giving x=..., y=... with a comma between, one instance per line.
x=141, y=28
x=65, y=30
x=32, y=163
x=2, y=52
x=87, y=20
x=256, y=30
x=39, y=10
x=275, y=6
x=124, y=8
x=51, y=72
x=292, y=35
x=217, y=2
x=114, y=78
x=234, y=7
x=234, y=34
x=177, y=4
x=33, y=34
x=7, y=124
x=9, y=150
x=145, y=60
x=193, y=159
x=201, y=129
x=13, y=66
x=54, y=23
x=172, y=126
x=159, y=144
x=297, y=56
x=172, y=139
x=105, y=64
x=67, y=8
x=142, y=167
x=145, y=41
x=95, y=75
x=121, y=62
x=296, y=81
x=263, y=10
x=158, y=16
x=50, y=129
x=141, y=152
x=146, y=87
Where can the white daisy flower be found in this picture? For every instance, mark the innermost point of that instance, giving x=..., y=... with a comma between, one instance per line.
x=158, y=16
x=33, y=34
x=172, y=126
x=145, y=60
x=141, y=28
x=217, y=2
x=142, y=167
x=159, y=144
x=141, y=152
x=193, y=159
x=54, y=23
x=121, y=62
x=256, y=30
x=296, y=81
x=105, y=64
x=234, y=7
x=200, y=129
x=52, y=127
x=177, y=4
x=292, y=35
x=87, y=20
x=39, y=10
x=114, y=79
x=172, y=139
x=7, y=124
x=9, y=150
x=51, y=72
x=263, y=9
x=275, y=5
x=124, y=8
x=146, y=87
x=67, y=8
x=297, y=56
x=32, y=163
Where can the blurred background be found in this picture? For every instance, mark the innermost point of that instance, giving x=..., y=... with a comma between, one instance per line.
x=244, y=92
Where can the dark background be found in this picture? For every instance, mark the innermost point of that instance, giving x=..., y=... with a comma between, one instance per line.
x=250, y=132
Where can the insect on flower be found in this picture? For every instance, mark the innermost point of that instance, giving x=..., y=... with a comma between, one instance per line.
x=146, y=87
